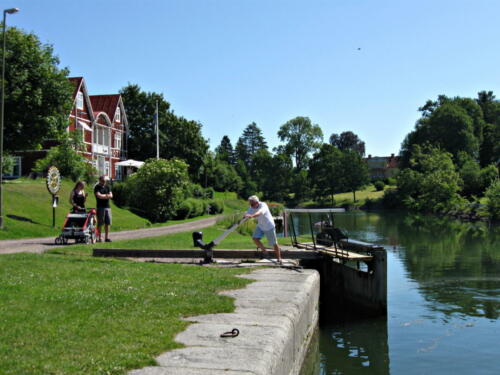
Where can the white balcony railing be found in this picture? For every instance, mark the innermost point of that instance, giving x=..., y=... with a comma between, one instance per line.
x=100, y=149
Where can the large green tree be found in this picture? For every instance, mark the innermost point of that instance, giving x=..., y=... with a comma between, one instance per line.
x=38, y=95
x=301, y=138
x=454, y=125
x=179, y=137
x=432, y=182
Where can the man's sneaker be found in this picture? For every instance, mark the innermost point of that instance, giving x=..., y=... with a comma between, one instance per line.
x=108, y=240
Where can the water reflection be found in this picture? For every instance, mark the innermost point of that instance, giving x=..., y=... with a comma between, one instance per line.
x=355, y=347
x=456, y=264
x=444, y=300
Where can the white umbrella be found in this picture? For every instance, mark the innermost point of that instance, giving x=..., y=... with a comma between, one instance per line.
x=130, y=163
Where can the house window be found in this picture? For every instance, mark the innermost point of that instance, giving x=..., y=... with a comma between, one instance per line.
x=117, y=115
x=118, y=141
x=79, y=100
x=118, y=173
x=106, y=168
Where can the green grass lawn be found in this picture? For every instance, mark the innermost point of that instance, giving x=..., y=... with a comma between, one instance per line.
x=368, y=192
x=74, y=315
x=28, y=210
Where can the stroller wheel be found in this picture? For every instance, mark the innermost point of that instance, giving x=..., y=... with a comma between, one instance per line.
x=87, y=240
x=58, y=241
x=64, y=240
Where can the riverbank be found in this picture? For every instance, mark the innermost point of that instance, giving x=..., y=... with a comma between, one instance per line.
x=276, y=316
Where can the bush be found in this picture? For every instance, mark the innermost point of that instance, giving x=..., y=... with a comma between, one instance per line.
x=66, y=158
x=391, y=199
x=209, y=193
x=276, y=209
x=196, y=191
x=158, y=188
x=119, y=194
x=216, y=207
x=379, y=185
x=184, y=210
x=391, y=181
x=493, y=204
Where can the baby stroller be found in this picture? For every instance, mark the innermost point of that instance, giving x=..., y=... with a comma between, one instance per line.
x=80, y=226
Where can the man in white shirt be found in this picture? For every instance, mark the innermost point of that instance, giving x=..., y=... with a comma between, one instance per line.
x=265, y=225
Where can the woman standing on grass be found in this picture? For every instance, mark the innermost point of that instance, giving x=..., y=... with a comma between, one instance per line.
x=78, y=196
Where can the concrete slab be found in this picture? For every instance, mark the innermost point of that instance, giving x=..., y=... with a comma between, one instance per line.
x=276, y=316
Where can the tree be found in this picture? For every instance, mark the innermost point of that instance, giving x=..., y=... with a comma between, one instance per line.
x=225, y=151
x=179, y=137
x=301, y=137
x=249, y=143
x=490, y=146
x=447, y=125
x=432, y=183
x=272, y=174
x=348, y=141
x=38, y=95
x=354, y=172
x=182, y=138
x=325, y=172
x=141, y=107
x=68, y=159
x=220, y=175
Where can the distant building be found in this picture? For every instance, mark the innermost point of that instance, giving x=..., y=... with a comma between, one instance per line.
x=380, y=167
x=102, y=121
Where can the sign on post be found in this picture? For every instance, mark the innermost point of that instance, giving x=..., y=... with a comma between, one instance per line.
x=53, y=186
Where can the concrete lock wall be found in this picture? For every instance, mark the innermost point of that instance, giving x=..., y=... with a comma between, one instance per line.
x=276, y=316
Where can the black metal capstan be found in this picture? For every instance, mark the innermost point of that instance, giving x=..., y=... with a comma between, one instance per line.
x=208, y=247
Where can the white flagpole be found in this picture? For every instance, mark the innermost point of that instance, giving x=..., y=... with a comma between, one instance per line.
x=157, y=133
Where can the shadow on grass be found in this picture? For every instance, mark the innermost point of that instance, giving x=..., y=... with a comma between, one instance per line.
x=22, y=218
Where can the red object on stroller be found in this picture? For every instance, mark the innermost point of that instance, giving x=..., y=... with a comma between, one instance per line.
x=80, y=226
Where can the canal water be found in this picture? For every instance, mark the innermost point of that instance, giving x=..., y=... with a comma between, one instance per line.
x=443, y=301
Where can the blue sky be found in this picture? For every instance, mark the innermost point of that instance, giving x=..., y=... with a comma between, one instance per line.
x=364, y=66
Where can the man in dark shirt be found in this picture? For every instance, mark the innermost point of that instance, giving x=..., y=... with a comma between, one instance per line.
x=103, y=194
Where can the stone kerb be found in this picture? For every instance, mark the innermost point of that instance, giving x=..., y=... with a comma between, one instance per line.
x=276, y=316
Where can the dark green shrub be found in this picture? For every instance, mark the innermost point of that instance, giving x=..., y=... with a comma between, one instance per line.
x=379, y=185
x=198, y=207
x=196, y=191
x=158, y=188
x=184, y=210
x=391, y=181
x=209, y=193
x=216, y=207
x=391, y=199
x=119, y=193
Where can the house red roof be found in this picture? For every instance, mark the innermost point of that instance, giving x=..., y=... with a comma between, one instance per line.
x=77, y=81
x=105, y=103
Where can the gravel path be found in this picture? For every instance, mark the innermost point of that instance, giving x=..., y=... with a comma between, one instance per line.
x=39, y=245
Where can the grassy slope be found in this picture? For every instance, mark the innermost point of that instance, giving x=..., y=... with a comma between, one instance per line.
x=28, y=210
x=73, y=315
x=368, y=192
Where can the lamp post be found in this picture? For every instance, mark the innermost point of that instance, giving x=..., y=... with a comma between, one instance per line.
x=9, y=11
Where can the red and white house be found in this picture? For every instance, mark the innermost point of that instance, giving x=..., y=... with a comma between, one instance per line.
x=102, y=121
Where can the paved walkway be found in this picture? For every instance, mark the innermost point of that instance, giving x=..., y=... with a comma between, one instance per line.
x=39, y=245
